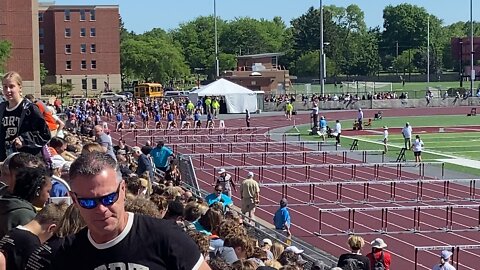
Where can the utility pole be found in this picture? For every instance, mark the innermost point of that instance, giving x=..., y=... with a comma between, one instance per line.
x=428, y=51
x=472, y=52
x=217, y=64
x=322, y=54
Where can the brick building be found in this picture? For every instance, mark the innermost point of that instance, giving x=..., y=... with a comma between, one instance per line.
x=18, y=25
x=80, y=45
x=260, y=72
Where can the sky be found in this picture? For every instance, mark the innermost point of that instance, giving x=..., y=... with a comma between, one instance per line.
x=143, y=15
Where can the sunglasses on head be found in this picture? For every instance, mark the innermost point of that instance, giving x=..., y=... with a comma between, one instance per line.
x=107, y=200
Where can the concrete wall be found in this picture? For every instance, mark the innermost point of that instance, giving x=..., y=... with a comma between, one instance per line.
x=377, y=104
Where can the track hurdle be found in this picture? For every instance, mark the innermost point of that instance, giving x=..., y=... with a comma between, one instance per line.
x=332, y=168
x=417, y=210
x=367, y=184
x=282, y=156
x=266, y=146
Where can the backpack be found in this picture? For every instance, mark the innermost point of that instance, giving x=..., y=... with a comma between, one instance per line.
x=378, y=265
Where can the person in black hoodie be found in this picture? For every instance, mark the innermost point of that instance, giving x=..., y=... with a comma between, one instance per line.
x=23, y=127
x=354, y=259
x=32, y=189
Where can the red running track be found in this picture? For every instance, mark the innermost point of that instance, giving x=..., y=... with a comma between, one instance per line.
x=402, y=245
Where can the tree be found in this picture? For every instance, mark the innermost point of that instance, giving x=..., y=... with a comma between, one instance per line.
x=197, y=42
x=5, y=47
x=43, y=73
x=56, y=89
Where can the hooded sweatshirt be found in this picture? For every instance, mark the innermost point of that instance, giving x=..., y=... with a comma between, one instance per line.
x=14, y=211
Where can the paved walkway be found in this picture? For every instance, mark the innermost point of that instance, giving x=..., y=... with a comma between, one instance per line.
x=462, y=162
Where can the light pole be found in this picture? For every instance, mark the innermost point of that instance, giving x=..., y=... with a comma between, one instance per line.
x=472, y=52
x=61, y=88
x=322, y=54
x=428, y=51
x=217, y=64
x=461, y=62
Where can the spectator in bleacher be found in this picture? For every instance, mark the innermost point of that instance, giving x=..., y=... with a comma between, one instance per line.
x=22, y=241
x=277, y=250
x=379, y=255
x=99, y=191
x=173, y=173
x=122, y=148
x=161, y=203
x=417, y=148
x=354, y=259
x=141, y=205
x=104, y=140
x=92, y=147
x=217, y=263
x=267, y=245
x=208, y=222
x=235, y=247
x=202, y=241
x=444, y=261
x=69, y=224
x=225, y=180
x=29, y=195
x=292, y=256
x=282, y=222
x=160, y=155
x=11, y=166
x=250, y=195
x=143, y=163
x=219, y=196
x=20, y=134
x=407, y=135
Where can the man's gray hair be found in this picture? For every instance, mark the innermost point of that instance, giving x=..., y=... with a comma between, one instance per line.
x=92, y=164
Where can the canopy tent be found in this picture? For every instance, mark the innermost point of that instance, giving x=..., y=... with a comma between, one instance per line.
x=237, y=98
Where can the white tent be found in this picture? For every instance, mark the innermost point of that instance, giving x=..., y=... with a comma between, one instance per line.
x=237, y=98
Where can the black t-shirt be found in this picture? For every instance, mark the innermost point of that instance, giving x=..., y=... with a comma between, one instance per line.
x=145, y=243
x=10, y=126
x=355, y=261
x=42, y=256
x=17, y=246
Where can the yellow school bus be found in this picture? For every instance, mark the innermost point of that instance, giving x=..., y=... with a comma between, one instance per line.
x=148, y=90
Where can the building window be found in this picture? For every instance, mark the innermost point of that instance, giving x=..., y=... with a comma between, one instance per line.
x=40, y=17
x=83, y=48
x=83, y=32
x=82, y=15
x=68, y=32
x=84, y=84
x=93, y=32
x=41, y=48
x=68, y=48
x=92, y=15
x=68, y=65
x=94, y=64
x=66, y=16
x=94, y=84
x=41, y=32
x=93, y=48
x=69, y=81
x=83, y=64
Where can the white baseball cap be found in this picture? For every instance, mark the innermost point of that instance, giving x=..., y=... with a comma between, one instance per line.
x=250, y=174
x=222, y=170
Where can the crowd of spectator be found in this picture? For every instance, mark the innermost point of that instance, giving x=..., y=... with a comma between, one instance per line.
x=129, y=206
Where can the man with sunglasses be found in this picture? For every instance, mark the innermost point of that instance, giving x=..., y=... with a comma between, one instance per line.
x=219, y=196
x=114, y=238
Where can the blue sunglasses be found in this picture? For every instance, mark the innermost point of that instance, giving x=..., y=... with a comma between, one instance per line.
x=107, y=200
